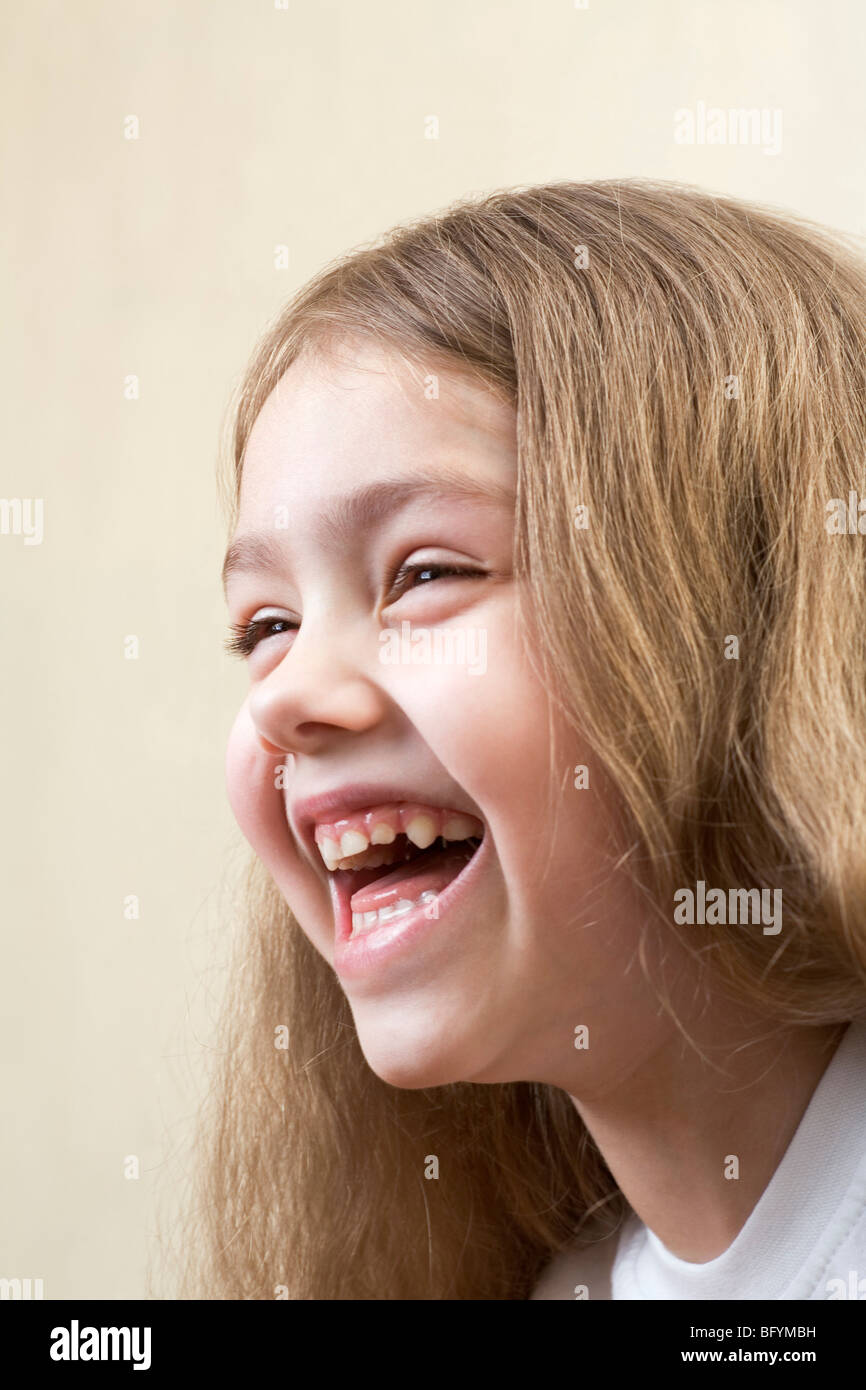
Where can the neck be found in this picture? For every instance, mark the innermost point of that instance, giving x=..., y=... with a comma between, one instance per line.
x=693, y=1136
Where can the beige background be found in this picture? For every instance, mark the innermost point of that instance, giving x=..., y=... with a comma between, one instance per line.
x=259, y=126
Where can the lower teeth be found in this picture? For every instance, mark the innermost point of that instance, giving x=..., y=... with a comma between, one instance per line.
x=368, y=921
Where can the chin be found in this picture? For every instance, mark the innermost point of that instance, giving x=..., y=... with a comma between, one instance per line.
x=410, y=1065
x=414, y=1058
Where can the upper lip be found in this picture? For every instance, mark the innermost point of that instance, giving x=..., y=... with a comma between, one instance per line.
x=309, y=811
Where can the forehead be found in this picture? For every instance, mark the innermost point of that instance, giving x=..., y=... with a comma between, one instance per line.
x=360, y=413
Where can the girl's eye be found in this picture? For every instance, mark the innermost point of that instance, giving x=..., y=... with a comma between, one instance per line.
x=247, y=636
x=428, y=574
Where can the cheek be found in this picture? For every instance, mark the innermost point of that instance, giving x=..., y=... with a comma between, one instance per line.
x=259, y=809
x=254, y=797
x=486, y=721
x=493, y=732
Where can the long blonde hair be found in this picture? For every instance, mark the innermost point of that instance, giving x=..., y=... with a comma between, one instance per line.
x=690, y=370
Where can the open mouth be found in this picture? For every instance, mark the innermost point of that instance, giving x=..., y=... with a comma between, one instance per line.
x=391, y=861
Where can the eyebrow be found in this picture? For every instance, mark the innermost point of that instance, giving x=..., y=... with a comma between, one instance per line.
x=365, y=509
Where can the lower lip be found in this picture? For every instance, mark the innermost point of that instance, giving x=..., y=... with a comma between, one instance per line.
x=360, y=956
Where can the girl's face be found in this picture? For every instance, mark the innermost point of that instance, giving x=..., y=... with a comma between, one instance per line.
x=392, y=701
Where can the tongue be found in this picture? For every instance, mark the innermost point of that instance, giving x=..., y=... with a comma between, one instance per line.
x=429, y=873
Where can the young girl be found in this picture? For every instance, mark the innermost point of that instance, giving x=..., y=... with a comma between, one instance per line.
x=547, y=567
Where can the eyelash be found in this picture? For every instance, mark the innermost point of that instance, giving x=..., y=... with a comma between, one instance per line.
x=245, y=637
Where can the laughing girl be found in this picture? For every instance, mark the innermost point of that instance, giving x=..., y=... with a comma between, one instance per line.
x=557, y=679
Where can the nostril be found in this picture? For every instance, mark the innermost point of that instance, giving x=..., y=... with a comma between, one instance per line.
x=268, y=747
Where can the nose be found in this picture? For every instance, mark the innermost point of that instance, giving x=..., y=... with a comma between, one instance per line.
x=316, y=694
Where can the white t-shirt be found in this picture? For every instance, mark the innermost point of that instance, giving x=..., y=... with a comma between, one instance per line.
x=805, y=1238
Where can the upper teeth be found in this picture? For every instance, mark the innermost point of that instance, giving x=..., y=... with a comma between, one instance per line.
x=382, y=834
x=347, y=846
x=421, y=830
x=352, y=843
